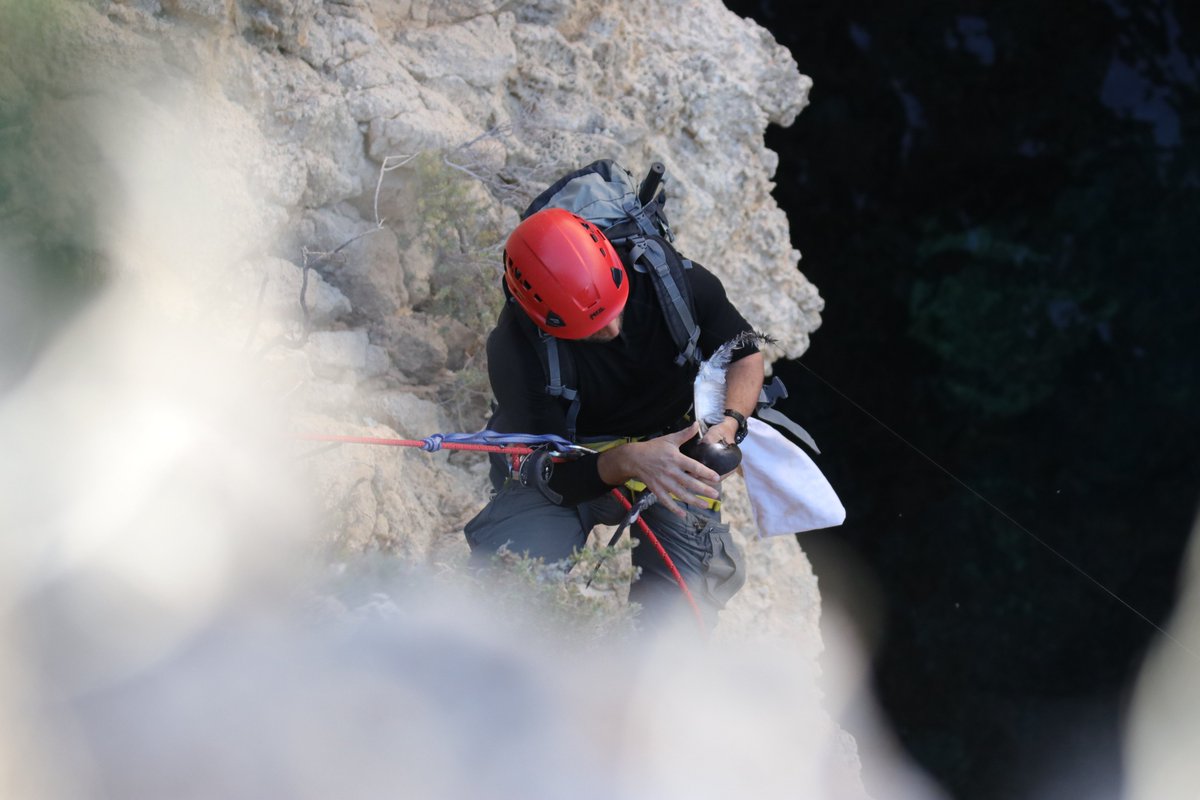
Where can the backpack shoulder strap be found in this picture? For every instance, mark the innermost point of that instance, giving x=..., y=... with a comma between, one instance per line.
x=558, y=363
x=655, y=256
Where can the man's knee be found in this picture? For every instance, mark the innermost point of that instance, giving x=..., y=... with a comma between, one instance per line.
x=703, y=550
x=522, y=521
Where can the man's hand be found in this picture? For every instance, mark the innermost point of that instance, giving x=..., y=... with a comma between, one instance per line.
x=659, y=464
x=723, y=431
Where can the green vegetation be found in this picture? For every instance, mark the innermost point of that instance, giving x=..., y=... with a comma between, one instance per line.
x=1001, y=327
x=455, y=222
x=466, y=397
x=543, y=599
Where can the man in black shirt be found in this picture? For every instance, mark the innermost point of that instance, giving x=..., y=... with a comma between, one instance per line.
x=562, y=274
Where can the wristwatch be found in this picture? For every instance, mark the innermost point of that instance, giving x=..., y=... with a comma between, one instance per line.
x=741, y=421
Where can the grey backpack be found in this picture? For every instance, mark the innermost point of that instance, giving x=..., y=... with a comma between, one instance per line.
x=634, y=221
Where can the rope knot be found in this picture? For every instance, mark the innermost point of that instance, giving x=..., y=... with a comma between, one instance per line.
x=431, y=444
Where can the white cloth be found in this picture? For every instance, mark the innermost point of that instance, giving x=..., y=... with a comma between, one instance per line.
x=787, y=491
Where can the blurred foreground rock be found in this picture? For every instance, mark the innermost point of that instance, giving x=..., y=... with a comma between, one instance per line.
x=362, y=162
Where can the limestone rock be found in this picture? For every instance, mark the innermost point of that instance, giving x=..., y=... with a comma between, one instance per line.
x=330, y=103
x=416, y=347
x=462, y=343
x=393, y=499
x=281, y=282
x=338, y=401
x=478, y=51
x=378, y=362
x=285, y=23
x=417, y=264
x=412, y=416
x=338, y=354
x=360, y=258
x=213, y=12
x=389, y=146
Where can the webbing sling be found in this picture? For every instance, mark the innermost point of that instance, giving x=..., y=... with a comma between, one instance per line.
x=765, y=410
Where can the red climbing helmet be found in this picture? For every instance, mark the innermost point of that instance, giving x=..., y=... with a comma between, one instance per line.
x=565, y=274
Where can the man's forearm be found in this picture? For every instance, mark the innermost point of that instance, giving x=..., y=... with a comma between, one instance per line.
x=743, y=382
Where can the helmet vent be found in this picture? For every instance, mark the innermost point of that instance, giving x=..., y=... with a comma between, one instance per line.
x=538, y=297
x=617, y=275
x=526, y=285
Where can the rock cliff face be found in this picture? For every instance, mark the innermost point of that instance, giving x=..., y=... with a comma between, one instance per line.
x=301, y=205
x=340, y=177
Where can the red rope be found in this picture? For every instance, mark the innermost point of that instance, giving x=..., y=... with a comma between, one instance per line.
x=662, y=552
x=519, y=450
x=479, y=448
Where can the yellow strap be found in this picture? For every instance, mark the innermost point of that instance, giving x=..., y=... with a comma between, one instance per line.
x=637, y=486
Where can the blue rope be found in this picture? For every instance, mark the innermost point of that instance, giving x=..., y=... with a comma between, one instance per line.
x=431, y=444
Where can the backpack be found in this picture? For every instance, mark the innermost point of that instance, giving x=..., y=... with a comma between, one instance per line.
x=633, y=219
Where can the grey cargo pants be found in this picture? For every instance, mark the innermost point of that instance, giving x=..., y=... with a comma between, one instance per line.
x=520, y=519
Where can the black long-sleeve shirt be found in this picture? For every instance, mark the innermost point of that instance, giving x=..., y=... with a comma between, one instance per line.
x=630, y=386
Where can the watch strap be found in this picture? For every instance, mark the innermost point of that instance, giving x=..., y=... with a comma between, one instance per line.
x=741, y=421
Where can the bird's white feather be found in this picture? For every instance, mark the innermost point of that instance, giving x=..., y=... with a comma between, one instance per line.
x=709, y=386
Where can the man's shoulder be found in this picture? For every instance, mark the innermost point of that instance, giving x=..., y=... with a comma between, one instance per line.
x=508, y=340
x=702, y=280
x=507, y=327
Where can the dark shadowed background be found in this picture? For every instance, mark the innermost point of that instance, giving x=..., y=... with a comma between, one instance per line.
x=1000, y=204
